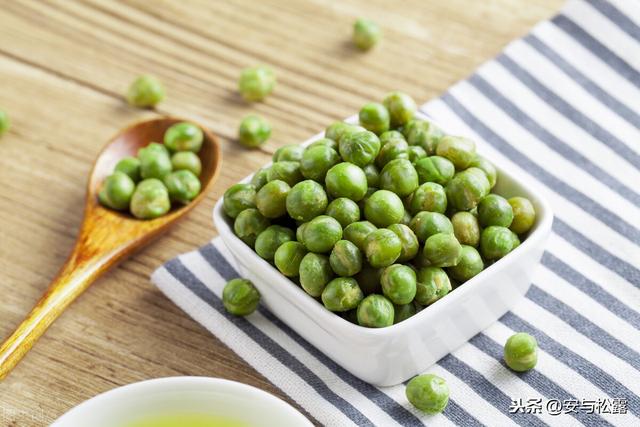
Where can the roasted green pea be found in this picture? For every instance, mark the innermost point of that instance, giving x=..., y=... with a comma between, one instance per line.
x=396, y=149
x=184, y=136
x=335, y=130
x=442, y=250
x=382, y=247
x=345, y=258
x=237, y=198
x=287, y=171
x=391, y=135
x=399, y=283
x=374, y=117
x=117, y=191
x=346, y=180
x=346, y=211
x=316, y=161
x=466, y=228
x=521, y=352
x=424, y=134
x=260, y=178
x=366, y=34
x=324, y=142
x=496, y=242
x=467, y=188
x=401, y=108
x=271, y=199
x=375, y=311
x=434, y=169
x=321, y=233
x=131, y=167
x=249, y=224
x=406, y=218
x=428, y=392
x=416, y=153
x=432, y=284
x=315, y=273
x=150, y=199
x=429, y=197
x=256, y=83
x=487, y=167
x=369, y=279
x=469, y=264
x=383, y=208
x=288, y=258
x=409, y=242
x=357, y=233
x=372, y=173
x=494, y=210
x=342, y=294
x=459, y=150
x=186, y=160
x=154, y=161
x=400, y=177
x=145, y=91
x=403, y=312
x=183, y=186
x=240, y=297
x=288, y=153
x=306, y=200
x=254, y=131
x=426, y=224
x=359, y=148
x=270, y=240
x=524, y=215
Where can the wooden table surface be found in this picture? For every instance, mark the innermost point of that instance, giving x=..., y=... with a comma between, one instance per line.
x=64, y=66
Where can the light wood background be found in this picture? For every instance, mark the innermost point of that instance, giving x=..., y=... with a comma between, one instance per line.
x=64, y=66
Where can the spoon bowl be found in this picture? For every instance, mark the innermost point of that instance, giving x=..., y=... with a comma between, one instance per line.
x=106, y=236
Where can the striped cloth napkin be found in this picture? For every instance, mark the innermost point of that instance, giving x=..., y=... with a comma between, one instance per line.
x=563, y=106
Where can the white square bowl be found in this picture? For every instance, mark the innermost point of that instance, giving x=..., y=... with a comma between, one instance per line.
x=391, y=355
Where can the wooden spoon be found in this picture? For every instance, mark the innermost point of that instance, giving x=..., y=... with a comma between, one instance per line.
x=105, y=236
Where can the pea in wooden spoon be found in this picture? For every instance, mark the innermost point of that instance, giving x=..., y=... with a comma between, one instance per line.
x=105, y=236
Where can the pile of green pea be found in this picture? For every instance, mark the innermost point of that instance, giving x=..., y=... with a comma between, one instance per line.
x=381, y=219
x=146, y=185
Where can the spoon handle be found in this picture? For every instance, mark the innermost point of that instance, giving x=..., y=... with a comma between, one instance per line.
x=74, y=278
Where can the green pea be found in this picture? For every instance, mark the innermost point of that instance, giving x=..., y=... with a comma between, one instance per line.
x=366, y=34
x=321, y=233
x=424, y=134
x=359, y=148
x=240, y=297
x=306, y=200
x=256, y=83
x=345, y=258
x=315, y=273
x=428, y=392
x=286, y=171
x=426, y=224
x=324, y=142
x=186, y=160
x=434, y=169
x=429, y=197
x=270, y=239
x=253, y=131
x=496, y=242
x=432, y=284
x=416, y=153
x=399, y=283
x=288, y=258
x=372, y=173
x=300, y=232
x=396, y=149
x=409, y=242
x=237, y=198
x=487, y=167
x=145, y=91
x=382, y=247
x=150, y=199
x=375, y=311
x=401, y=108
x=316, y=162
x=383, y=208
x=5, y=122
x=524, y=215
x=466, y=189
x=391, y=135
x=344, y=210
x=154, y=161
x=117, y=191
x=347, y=132
x=466, y=228
x=289, y=153
x=335, y=130
x=249, y=224
x=260, y=178
x=271, y=199
x=183, y=186
x=130, y=166
x=461, y=151
x=494, y=210
x=357, y=233
x=521, y=352
x=399, y=176
x=403, y=312
x=184, y=136
x=341, y=294
x=374, y=117
x=442, y=250
x=469, y=264
x=346, y=180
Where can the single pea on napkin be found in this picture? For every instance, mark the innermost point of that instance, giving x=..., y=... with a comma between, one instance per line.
x=560, y=105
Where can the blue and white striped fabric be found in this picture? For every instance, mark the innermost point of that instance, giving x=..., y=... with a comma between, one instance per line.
x=563, y=106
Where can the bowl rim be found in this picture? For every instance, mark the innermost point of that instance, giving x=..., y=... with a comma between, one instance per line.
x=331, y=320
x=177, y=384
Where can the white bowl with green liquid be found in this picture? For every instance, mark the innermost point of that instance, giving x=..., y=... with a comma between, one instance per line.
x=184, y=402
